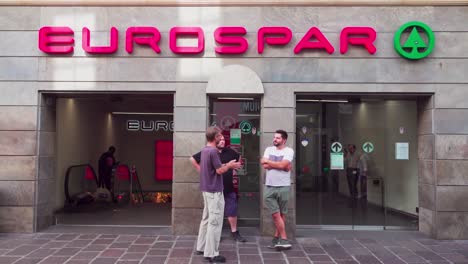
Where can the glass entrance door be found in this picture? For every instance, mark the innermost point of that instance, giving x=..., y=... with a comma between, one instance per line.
x=356, y=163
x=239, y=120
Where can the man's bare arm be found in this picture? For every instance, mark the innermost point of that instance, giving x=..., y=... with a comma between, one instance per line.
x=195, y=164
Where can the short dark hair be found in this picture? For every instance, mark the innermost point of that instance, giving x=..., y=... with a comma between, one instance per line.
x=211, y=133
x=283, y=133
x=112, y=148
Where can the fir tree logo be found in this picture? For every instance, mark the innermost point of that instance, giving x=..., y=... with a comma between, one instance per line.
x=415, y=47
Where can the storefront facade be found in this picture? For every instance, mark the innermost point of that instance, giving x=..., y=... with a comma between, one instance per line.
x=263, y=64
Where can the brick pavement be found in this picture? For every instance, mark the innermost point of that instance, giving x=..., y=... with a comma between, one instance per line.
x=342, y=247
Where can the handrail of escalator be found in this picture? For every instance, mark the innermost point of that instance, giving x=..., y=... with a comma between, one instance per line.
x=67, y=194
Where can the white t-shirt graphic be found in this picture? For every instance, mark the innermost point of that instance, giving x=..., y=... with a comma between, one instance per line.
x=276, y=177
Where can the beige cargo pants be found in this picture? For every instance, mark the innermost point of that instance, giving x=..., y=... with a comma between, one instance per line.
x=211, y=224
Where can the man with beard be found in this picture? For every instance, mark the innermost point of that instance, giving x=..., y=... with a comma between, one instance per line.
x=230, y=197
x=211, y=185
x=277, y=163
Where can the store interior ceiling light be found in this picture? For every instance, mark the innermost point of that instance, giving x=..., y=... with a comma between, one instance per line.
x=140, y=113
x=236, y=98
x=323, y=100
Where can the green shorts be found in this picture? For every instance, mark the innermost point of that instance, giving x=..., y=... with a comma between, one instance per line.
x=276, y=198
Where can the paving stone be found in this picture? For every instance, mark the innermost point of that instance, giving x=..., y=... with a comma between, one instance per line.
x=367, y=259
x=104, y=261
x=295, y=253
x=103, y=241
x=131, y=262
x=12, y=244
x=54, y=260
x=112, y=253
x=41, y=253
x=178, y=260
x=429, y=255
x=38, y=241
x=314, y=250
x=47, y=236
x=8, y=260
x=159, y=245
x=127, y=238
x=139, y=248
x=272, y=255
x=166, y=238
x=67, y=252
x=274, y=261
x=144, y=241
x=316, y=258
x=88, y=236
x=95, y=248
x=28, y=261
x=250, y=251
x=106, y=236
x=133, y=256
x=79, y=243
x=181, y=253
x=66, y=237
x=158, y=252
x=186, y=238
x=86, y=255
x=22, y=250
x=153, y=260
x=299, y=261
x=54, y=244
x=184, y=244
x=250, y=259
x=77, y=261
x=120, y=245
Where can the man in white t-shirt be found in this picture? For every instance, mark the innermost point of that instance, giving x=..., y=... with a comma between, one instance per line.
x=277, y=163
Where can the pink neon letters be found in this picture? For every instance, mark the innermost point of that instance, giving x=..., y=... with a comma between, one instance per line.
x=229, y=40
x=114, y=43
x=51, y=37
x=143, y=36
x=231, y=36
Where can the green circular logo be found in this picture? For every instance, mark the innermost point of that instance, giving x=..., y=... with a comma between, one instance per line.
x=415, y=47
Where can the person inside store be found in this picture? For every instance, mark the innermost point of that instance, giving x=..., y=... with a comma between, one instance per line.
x=352, y=170
x=211, y=186
x=226, y=154
x=105, y=165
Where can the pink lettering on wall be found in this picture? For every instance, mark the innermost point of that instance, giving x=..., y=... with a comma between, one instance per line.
x=177, y=32
x=265, y=35
x=114, y=43
x=231, y=40
x=56, y=40
x=149, y=36
x=321, y=43
x=367, y=42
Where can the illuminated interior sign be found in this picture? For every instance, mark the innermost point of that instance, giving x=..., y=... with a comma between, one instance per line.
x=229, y=40
x=150, y=125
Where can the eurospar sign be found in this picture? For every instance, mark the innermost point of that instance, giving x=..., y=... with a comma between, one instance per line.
x=231, y=40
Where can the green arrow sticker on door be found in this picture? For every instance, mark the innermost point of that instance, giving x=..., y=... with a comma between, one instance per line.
x=336, y=147
x=368, y=147
x=415, y=46
x=245, y=127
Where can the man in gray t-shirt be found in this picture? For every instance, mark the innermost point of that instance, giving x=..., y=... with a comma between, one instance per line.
x=211, y=185
x=277, y=163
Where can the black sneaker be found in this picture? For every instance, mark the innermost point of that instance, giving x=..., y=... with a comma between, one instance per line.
x=218, y=259
x=236, y=236
x=274, y=241
x=198, y=252
x=283, y=244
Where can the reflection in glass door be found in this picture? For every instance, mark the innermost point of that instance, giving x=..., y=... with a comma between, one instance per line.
x=352, y=169
x=240, y=121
